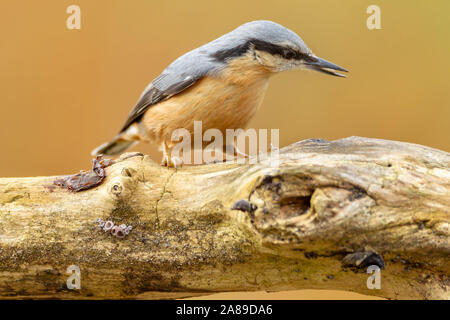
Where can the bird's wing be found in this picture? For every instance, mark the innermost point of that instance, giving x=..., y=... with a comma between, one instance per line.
x=163, y=87
x=180, y=75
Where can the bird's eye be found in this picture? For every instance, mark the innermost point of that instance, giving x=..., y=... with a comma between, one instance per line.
x=289, y=54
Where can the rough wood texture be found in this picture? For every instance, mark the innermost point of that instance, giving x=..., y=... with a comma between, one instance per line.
x=327, y=206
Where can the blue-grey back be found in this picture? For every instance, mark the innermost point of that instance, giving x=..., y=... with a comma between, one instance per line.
x=200, y=61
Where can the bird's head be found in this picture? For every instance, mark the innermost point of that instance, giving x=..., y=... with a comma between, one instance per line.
x=272, y=46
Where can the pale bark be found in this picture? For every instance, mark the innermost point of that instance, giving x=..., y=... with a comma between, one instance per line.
x=307, y=223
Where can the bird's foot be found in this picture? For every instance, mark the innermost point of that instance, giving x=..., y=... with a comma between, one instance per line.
x=171, y=162
x=241, y=154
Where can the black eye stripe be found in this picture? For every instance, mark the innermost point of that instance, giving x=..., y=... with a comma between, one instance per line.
x=284, y=52
x=287, y=53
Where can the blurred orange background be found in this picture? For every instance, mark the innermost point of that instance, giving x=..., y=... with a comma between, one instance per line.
x=64, y=92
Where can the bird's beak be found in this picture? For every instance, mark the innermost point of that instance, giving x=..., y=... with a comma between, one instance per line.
x=324, y=66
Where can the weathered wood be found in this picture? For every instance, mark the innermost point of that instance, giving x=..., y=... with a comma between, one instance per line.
x=306, y=224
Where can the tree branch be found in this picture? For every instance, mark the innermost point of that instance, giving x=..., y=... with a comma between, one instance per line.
x=315, y=222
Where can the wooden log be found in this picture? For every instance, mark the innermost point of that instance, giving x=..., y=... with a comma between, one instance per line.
x=317, y=221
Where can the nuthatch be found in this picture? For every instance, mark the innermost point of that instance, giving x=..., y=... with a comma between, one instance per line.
x=221, y=83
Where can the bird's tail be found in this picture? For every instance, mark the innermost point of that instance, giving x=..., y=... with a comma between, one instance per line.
x=115, y=146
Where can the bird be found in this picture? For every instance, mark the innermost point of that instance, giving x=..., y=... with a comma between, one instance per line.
x=221, y=83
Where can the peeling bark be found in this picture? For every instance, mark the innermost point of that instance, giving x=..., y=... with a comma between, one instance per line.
x=315, y=222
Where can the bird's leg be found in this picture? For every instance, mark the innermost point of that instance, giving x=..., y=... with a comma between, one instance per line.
x=166, y=157
x=168, y=160
x=237, y=152
x=234, y=152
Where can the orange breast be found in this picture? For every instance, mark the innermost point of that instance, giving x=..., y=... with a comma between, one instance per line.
x=226, y=101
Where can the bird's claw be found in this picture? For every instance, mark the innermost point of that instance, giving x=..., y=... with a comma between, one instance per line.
x=171, y=162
